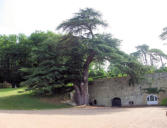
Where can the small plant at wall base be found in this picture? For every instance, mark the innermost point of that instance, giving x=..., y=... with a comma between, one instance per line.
x=164, y=102
x=153, y=90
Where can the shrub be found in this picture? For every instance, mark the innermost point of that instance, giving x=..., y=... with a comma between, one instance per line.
x=5, y=85
x=164, y=102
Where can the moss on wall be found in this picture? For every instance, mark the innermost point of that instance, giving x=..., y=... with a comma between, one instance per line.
x=153, y=90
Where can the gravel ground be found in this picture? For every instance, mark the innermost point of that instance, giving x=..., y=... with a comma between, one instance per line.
x=86, y=117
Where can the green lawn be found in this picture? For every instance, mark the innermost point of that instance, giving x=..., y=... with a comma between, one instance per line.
x=17, y=99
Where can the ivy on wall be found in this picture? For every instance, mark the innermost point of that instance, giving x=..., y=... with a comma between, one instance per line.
x=153, y=90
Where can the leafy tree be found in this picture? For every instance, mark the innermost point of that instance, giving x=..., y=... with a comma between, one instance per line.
x=161, y=69
x=158, y=54
x=149, y=56
x=163, y=35
x=96, y=70
x=128, y=66
x=114, y=71
x=141, y=53
x=93, y=46
x=14, y=53
x=45, y=72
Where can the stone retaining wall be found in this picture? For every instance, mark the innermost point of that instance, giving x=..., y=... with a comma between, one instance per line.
x=104, y=90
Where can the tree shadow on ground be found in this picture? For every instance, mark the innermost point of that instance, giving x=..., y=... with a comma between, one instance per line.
x=26, y=102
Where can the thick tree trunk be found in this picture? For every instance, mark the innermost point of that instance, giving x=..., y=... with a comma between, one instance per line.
x=81, y=96
x=81, y=91
x=78, y=96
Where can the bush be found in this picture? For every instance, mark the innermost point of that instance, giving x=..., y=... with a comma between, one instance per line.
x=164, y=102
x=5, y=85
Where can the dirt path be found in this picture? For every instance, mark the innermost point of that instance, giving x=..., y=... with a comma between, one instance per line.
x=148, y=117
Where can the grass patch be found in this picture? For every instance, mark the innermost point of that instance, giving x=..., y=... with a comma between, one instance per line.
x=164, y=102
x=17, y=99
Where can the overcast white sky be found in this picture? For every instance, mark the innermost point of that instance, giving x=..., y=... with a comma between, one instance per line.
x=134, y=21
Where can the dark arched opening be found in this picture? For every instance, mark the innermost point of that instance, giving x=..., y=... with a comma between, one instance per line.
x=94, y=102
x=116, y=102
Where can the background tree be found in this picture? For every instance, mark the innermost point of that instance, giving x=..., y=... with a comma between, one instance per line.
x=14, y=54
x=147, y=56
x=47, y=63
x=163, y=35
x=97, y=70
x=158, y=55
x=142, y=53
x=128, y=66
